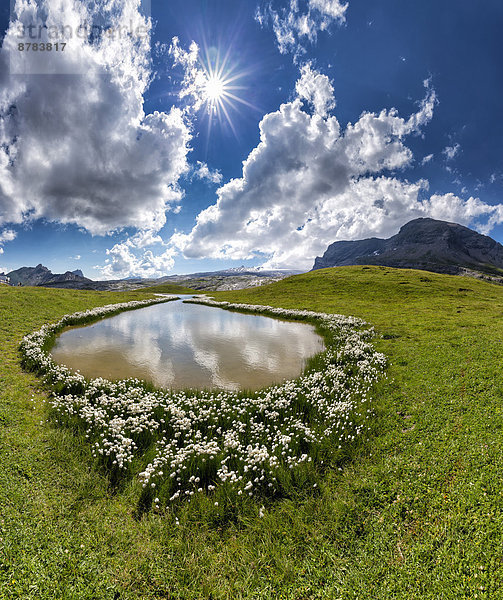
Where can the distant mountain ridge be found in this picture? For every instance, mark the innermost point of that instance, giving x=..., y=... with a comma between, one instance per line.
x=235, y=278
x=426, y=244
x=233, y=272
x=42, y=276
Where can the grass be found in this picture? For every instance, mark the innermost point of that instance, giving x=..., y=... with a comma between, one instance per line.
x=415, y=514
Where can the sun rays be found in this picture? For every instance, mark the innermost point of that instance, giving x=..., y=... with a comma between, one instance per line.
x=213, y=84
x=221, y=88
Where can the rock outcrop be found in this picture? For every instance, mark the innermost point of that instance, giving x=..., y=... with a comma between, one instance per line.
x=421, y=244
x=42, y=276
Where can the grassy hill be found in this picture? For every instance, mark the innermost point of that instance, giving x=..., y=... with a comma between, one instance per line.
x=415, y=514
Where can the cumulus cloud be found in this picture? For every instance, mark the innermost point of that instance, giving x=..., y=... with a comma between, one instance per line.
x=124, y=263
x=202, y=171
x=450, y=152
x=7, y=235
x=301, y=21
x=449, y=207
x=309, y=183
x=132, y=258
x=138, y=257
x=316, y=89
x=427, y=159
x=194, y=83
x=76, y=146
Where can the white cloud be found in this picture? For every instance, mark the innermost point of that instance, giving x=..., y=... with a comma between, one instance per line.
x=316, y=89
x=309, y=183
x=427, y=159
x=135, y=257
x=450, y=152
x=194, y=81
x=7, y=235
x=449, y=207
x=76, y=257
x=302, y=20
x=144, y=239
x=79, y=148
x=332, y=9
x=202, y=171
x=125, y=261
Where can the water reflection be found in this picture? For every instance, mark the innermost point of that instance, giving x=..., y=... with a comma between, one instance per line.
x=178, y=346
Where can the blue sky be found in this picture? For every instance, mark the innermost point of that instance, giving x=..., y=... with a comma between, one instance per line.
x=109, y=165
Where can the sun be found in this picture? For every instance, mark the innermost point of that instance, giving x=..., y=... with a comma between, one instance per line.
x=214, y=89
x=221, y=87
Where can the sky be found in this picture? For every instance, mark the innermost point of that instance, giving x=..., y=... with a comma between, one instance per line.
x=147, y=138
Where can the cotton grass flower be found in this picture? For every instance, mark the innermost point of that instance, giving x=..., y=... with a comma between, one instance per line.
x=252, y=444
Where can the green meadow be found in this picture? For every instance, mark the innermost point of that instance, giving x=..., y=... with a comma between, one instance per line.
x=414, y=512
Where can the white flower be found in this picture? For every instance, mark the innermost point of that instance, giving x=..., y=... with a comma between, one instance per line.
x=244, y=440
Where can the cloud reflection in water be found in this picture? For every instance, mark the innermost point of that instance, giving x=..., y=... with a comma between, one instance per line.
x=178, y=346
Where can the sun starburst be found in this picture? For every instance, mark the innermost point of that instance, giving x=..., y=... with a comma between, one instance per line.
x=221, y=91
x=214, y=89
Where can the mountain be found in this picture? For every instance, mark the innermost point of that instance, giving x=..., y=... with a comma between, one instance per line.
x=425, y=244
x=233, y=272
x=29, y=275
x=236, y=278
x=42, y=276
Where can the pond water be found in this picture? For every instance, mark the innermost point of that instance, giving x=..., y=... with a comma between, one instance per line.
x=176, y=345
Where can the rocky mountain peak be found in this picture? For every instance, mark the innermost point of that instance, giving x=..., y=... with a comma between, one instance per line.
x=423, y=243
x=41, y=275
